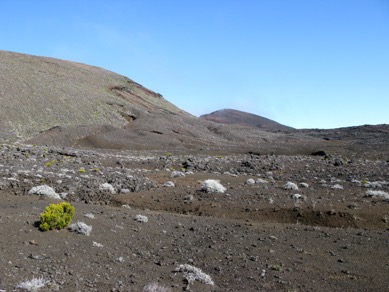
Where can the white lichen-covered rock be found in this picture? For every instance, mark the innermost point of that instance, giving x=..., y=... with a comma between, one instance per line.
x=107, y=188
x=141, y=218
x=261, y=181
x=169, y=184
x=177, y=174
x=46, y=191
x=297, y=197
x=188, y=198
x=32, y=285
x=155, y=287
x=81, y=228
x=304, y=185
x=290, y=186
x=212, y=186
x=337, y=187
x=373, y=185
x=90, y=215
x=192, y=274
x=96, y=244
x=250, y=181
x=63, y=195
x=372, y=193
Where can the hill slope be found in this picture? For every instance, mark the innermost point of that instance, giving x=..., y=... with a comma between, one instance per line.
x=39, y=93
x=243, y=119
x=47, y=101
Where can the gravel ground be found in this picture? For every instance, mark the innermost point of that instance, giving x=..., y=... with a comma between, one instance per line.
x=260, y=234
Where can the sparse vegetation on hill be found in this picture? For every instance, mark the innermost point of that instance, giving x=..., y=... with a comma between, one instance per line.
x=40, y=93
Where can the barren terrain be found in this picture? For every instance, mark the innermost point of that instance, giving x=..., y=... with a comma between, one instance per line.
x=166, y=201
x=329, y=234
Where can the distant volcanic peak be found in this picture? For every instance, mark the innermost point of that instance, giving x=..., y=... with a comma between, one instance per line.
x=243, y=119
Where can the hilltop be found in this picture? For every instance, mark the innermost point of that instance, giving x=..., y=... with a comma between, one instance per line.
x=244, y=119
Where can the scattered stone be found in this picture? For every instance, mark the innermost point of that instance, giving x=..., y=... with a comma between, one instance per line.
x=304, y=185
x=212, y=186
x=141, y=218
x=81, y=228
x=192, y=274
x=250, y=181
x=175, y=173
x=90, y=215
x=337, y=187
x=372, y=193
x=297, y=196
x=96, y=244
x=169, y=184
x=107, y=187
x=290, y=186
x=338, y=162
x=45, y=191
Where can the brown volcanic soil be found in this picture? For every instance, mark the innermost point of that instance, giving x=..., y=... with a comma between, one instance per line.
x=253, y=237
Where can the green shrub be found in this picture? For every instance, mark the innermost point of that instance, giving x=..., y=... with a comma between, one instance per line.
x=50, y=163
x=56, y=216
x=82, y=170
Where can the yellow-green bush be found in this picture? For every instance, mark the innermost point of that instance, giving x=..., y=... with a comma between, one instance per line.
x=56, y=216
x=50, y=163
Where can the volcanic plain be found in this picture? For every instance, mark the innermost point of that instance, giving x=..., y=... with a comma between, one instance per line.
x=178, y=203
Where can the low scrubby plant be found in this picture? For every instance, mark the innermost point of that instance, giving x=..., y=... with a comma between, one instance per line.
x=50, y=163
x=56, y=216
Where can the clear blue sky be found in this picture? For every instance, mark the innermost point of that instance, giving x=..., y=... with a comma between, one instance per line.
x=303, y=63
